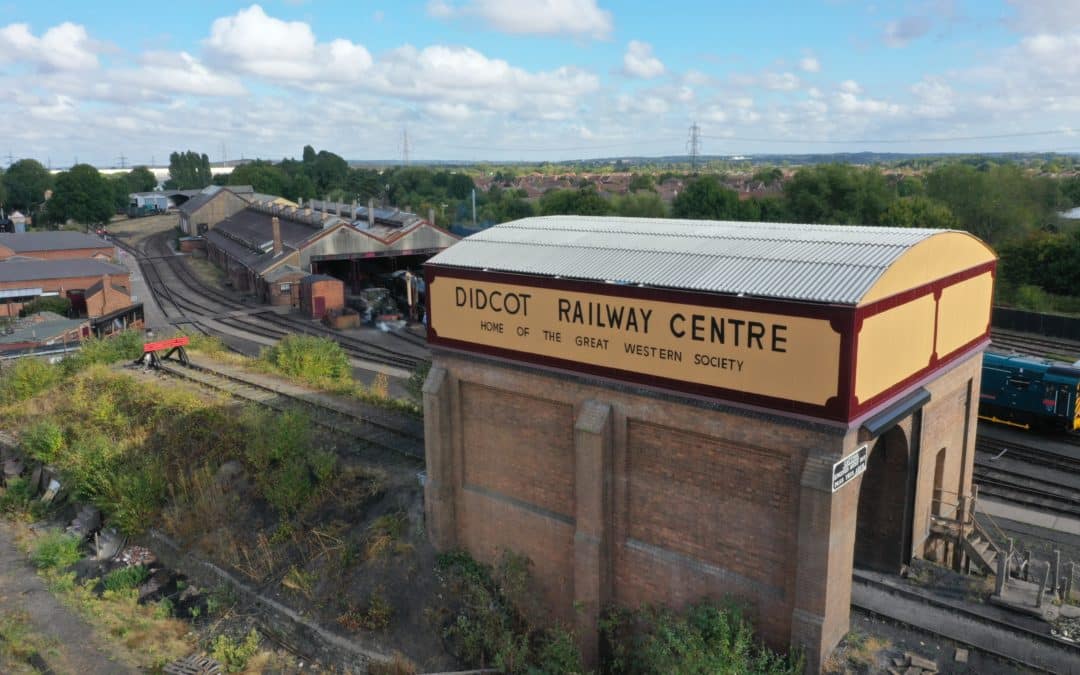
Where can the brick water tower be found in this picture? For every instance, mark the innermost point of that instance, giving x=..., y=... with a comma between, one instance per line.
x=664, y=411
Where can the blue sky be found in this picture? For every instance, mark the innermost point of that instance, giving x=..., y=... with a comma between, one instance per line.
x=545, y=79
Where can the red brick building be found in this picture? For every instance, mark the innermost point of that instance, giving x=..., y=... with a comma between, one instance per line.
x=24, y=279
x=55, y=246
x=663, y=411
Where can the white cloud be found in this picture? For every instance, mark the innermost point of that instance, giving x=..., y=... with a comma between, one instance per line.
x=61, y=48
x=935, y=98
x=638, y=61
x=250, y=41
x=537, y=17
x=781, y=81
x=1046, y=16
x=179, y=72
x=810, y=64
x=646, y=105
x=850, y=86
x=902, y=31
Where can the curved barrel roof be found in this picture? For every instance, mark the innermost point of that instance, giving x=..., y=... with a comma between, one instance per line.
x=831, y=264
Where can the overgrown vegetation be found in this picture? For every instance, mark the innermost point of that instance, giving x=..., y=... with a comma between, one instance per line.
x=55, y=551
x=315, y=360
x=235, y=654
x=124, y=578
x=55, y=304
x=491, y=627
x=120, y=442
x=706, y=639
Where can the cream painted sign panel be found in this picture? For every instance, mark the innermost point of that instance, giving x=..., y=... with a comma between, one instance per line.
x=787, y=357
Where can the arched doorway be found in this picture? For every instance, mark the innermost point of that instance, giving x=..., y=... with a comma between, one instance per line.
x=882, y=541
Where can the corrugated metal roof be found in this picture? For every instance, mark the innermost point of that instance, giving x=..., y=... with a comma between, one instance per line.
x=26, y=242
x=814, y=263
x=31, y=270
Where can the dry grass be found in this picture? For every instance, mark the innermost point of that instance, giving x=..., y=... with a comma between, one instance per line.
x=146, y=634
x=400, y=665
x=135, y=230
x=198, y=504
x=861, y=653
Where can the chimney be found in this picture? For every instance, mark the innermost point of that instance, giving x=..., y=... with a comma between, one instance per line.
x=301, y=200
x=371, y=213
x=275, y=225
x=431, y=216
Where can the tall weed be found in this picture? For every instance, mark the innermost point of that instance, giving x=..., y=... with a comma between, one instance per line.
x=315, y=360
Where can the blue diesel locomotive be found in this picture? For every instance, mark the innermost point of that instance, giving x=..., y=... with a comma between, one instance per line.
x=1029, y=392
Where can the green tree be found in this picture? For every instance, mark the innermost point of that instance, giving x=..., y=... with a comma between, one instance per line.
x=837, y=193
x=262, y=177
x=308, y=155
x=3, y=189
x=141, y=179
x=460, y=186
x=994, y=202
x=83, y=195
x=585, y=201
x=641, y=205
x=327, y=170
x=119, y=191
x=919, y=212
x=768, y=175
x=189, y=171
x=706, y=199
x=26, y=181
x=641, y=181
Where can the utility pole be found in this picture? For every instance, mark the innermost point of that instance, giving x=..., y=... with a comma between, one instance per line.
x=405, y=146
x=693, y=145
x=123, y=161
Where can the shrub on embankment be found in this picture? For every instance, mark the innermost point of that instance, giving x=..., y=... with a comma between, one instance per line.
x=315, y=360
x=29, y=376
x=119, y=444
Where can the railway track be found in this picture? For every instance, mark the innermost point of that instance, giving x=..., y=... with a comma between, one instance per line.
x=1016, y=641
x=213, y=304
x=1028, y=475
x=1035, y=345
x=366, y=423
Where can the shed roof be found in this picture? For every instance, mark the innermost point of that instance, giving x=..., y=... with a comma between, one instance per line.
x=206, y=195
x=833, y=264
x=26, y=242
x=32, y=269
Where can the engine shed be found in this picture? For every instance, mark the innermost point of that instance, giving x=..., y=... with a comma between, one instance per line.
x=664, y=411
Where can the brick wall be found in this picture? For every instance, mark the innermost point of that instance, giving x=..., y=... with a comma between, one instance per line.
x=691, y=499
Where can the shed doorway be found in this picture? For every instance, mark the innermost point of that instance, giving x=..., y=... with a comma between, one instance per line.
x=883, y=525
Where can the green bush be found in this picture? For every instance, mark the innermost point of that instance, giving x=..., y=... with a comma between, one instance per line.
x=705, y=640
x=18, y=498
x=415, y=385
x=124, y=346
x=125, y=578
x=312, y=359
x=55, y=304
x=287, y=470
x=27, y=378
x=55, y=550
x=491, y=626
x=235, y=654
x=44, y=441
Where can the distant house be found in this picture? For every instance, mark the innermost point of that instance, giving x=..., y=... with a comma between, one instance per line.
x=204, y=211
x=105, y=297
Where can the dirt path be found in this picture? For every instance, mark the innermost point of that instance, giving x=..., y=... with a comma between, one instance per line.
x=73, y=645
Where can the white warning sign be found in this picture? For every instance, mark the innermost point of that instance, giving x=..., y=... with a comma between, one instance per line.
x=848, y=468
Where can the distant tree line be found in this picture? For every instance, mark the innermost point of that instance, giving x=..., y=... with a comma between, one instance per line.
x=81, y=194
